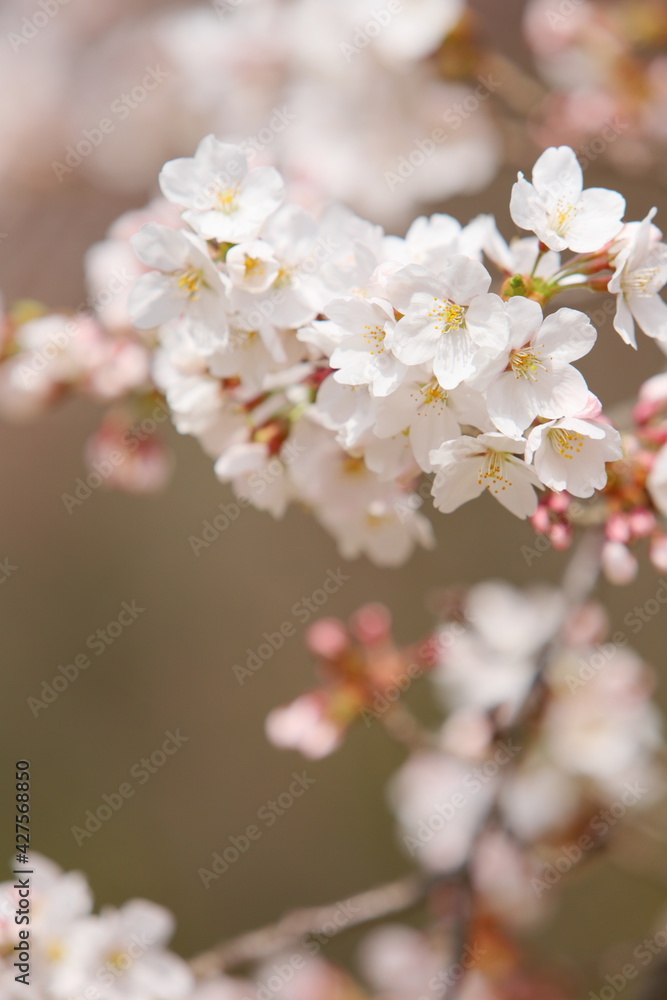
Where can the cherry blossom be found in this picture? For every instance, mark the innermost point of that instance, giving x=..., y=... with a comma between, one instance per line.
x=468, y=466
x=536, y=378
x=447, y=319
x=571, y=454
x=223, y=200
x=559, y=211
x=640, y=272
x=187, y=281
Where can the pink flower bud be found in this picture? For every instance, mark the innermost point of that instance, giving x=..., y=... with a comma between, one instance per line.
x=372, y=624
x=618, y=528
x=642, y=522
x=328, y=638
x=618, y=563
x=561, y=536
x=541, y=520
x=560, y=502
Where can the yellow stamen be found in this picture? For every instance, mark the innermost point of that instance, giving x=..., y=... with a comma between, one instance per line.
x=55, y=951
x=375, y=338
x=284, y=277
x=526, y=364
x=432, y=392
x=449, y=315
x=190, y=282
x=353, y=466
x=562, y=216
x=227, y=199
x=492, y=473
x=243, y=339
x=252, y=264
x=566, y=443
x=638, y=282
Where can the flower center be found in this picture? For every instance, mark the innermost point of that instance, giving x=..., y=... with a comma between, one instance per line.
x=253, y=264
x=284, y=277
x=566, y=443
x=242, y=339
x=226, y=199
x=55, y=951
x=562, y=217
x=492, y=472
x=190, y=282
x=432, y=392
x=526, y=364
x=353, y=466
x=374, y=337
x=450, y=316
x=376, y=521
x=639, y=281
x=118, y=961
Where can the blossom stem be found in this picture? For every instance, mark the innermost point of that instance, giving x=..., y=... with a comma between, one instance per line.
x=382, y=901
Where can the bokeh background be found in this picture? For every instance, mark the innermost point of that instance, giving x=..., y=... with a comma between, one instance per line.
x=172, y=669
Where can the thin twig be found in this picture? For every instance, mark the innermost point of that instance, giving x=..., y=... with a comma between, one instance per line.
x=393, y=897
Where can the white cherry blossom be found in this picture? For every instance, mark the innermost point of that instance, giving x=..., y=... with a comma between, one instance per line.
x=252, y=266
x=361, y=356
x=448, y=319
x=224, y=201
x=120, y=953
x=186, y=281
x=558, y=209
x=468, y=466
x=640, y=273
x=534, y=377
x=571, y=454
x=430, y=413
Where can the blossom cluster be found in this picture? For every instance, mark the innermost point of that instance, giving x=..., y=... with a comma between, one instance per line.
x=357, y=362
x=402, y=82
x=320, y=361
x=260, y=71
x=633, y=505
x=76, y=953
x=122, y=954
x=549, y=745
x=94, y=353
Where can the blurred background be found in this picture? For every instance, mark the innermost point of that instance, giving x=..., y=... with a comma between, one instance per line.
x=172, y=669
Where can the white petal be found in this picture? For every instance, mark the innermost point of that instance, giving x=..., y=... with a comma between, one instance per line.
x=488, y=324
x=518, y=495
x=624, y=322
x=597, y=220
x=512, y=406
x=152, y=302
x=651, y=315
x=566, y=335
x=453, y=360
x=457, y=484
x=463, y=279
x=558, y=174
x=525, y=318
x=526, y=207
x=429, y=430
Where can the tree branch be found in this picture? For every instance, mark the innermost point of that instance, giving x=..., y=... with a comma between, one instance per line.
x=393, y=897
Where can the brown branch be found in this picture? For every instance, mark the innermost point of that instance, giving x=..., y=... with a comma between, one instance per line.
x=365, y=907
